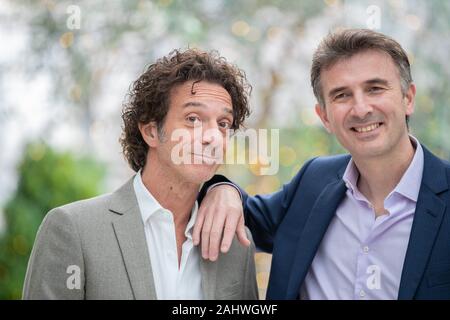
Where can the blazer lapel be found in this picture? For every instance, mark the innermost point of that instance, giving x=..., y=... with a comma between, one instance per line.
x=427, y=220
x=313, y=232
x=130, y=234
x=209, y=278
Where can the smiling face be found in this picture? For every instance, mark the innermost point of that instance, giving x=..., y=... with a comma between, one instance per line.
x=194, y=132
x=364, y=104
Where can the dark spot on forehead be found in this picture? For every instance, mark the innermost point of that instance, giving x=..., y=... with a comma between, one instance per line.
x=192, y=88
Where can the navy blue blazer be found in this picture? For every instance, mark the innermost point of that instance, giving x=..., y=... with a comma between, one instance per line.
x=291, y=223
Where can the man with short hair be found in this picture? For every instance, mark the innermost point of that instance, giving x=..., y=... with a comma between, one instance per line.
x=136, y=243
x=374, y=224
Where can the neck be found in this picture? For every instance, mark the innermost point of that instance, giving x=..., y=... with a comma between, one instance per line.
x=172, y=192
x=378, y=176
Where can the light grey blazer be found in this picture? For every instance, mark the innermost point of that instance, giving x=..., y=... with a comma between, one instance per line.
x=96, y=249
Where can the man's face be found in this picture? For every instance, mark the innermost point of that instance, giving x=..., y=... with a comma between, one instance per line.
x=364, y=104
x=195, y=130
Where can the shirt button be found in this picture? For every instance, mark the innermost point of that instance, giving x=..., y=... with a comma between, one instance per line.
x=366, y=249
x=362, y=294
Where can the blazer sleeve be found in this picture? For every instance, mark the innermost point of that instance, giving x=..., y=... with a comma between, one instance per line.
x=264, y=213
x=56, y=266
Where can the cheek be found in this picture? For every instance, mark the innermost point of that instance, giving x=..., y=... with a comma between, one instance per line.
x=334, y=121
x=341, y=118
x=225, y=144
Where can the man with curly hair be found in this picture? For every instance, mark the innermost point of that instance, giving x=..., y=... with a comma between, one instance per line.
x=136, y=243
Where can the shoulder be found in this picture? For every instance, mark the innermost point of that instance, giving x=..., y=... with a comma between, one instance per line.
x=82, y=208
x=237, y=251
x=80, y=216
x=443, y=162
x=435, y=168
x=329, y=163
x=431, y=157
x=322, y=169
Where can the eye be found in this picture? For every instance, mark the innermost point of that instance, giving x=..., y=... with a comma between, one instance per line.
x=225, y=124
x=341, y=96
x=375, y=89
x=193, y=120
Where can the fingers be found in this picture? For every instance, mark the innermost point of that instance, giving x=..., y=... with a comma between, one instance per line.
x=241, y=234
x=215, y=235
x=229, y=232
x=205, y=234
x=217, y=220
x=198, y=226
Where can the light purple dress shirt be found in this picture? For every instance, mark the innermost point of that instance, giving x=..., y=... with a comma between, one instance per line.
x=361, y=257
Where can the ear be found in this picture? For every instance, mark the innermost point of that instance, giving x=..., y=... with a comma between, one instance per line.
x=322, y=113
x=409, y=99
x=149, y=132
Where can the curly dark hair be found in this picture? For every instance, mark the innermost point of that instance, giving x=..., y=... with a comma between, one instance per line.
x=148, y=98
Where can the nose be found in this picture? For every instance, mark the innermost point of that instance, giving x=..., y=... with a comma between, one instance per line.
x=361, y=107
x=211, y=135
x=212, y=142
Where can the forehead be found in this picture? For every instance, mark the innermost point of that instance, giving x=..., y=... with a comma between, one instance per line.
x=359, y=68
x=202, y=91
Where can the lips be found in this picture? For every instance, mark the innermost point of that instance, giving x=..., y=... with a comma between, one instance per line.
x=367, y=128
x=207, y=159
x=203, y=156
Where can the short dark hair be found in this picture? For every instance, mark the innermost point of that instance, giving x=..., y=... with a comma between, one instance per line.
x=148, y=98
x=346, y=43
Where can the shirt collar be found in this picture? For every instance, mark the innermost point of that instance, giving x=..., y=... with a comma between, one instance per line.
x=190, y=225
x=148, y=205
x=409, y=184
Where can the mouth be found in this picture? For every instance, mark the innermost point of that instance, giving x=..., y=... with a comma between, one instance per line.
x=203, y=156
x=207, y=159
x=367, y=128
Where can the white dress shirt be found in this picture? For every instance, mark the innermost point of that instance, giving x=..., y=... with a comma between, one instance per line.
x=171, y=282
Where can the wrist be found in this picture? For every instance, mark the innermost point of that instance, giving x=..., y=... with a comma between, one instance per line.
x=233, y=186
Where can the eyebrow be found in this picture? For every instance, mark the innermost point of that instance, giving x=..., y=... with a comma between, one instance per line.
x=202, y=105
x=194, y=104
x=370, y=81
x=377, y=81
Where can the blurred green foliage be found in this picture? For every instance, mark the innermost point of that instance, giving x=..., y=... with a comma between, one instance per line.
x=47, y=179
